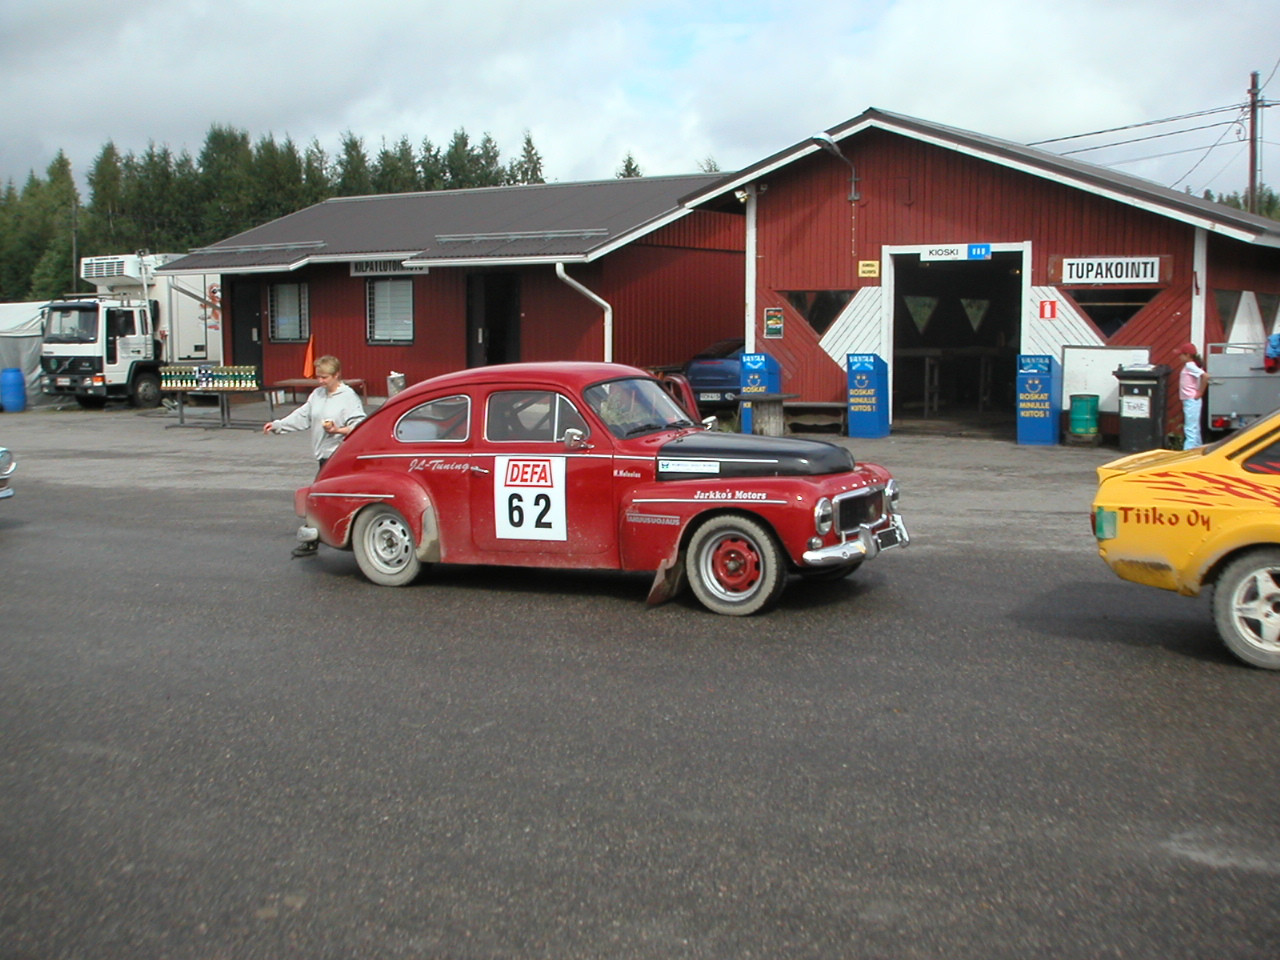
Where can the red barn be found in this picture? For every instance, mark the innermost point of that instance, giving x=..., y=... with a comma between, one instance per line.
x=949, y=253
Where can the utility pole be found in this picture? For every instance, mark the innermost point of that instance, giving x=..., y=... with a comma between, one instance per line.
x=1252, y=205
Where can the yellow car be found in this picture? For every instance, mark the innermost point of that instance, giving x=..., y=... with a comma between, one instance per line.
x=1203, y=518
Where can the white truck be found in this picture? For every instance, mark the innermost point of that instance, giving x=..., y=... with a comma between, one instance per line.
x=112, y=343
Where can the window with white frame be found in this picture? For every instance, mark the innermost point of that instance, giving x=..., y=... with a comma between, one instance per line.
x=390, y=311
x=288, y=314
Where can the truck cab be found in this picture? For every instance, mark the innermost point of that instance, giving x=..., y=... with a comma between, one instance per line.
x=97, y=348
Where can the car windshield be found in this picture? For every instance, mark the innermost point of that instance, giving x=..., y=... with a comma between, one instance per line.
x=72, y=324
x=634, y=406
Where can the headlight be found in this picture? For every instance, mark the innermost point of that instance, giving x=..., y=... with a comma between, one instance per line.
x=823, y=516
x=6, y=461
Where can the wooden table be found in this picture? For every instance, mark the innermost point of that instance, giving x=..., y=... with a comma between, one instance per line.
x=309, y=384
x=766, y=412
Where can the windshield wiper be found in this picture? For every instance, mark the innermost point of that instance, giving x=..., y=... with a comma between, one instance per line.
x=645, y=428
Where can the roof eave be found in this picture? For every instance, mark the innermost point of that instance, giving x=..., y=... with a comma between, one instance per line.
x=877, y=120
x=494, y=261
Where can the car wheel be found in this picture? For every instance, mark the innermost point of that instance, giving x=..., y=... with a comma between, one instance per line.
x=824, y=574
x=735, y=566
x=384, y=547
x=1246, y=608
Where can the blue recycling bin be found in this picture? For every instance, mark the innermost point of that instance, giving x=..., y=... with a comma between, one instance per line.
x=1039, y=399
x=868, y=395
x=761, y=375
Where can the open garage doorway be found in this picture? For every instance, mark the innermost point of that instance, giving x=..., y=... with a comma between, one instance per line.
x=956, y=332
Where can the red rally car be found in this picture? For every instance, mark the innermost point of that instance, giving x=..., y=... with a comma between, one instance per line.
x=594, y=465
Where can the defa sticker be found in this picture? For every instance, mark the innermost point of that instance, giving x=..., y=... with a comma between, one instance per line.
x=529, y=498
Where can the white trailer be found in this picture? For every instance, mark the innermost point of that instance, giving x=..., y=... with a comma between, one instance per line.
x=113, y=343
x=1240, y=388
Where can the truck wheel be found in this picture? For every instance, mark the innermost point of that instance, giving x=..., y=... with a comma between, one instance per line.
x=735, y=566
x=1246, y=608
x=145, y=391
x=384, y=547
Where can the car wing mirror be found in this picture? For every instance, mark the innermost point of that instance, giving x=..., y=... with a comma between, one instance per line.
x=575, y=439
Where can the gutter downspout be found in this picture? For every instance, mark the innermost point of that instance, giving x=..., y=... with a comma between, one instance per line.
x=749, y=320
x=604, y=305
x=1199, y=287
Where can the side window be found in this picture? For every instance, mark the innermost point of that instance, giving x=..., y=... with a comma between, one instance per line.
x=288, y=313
x=448, y=418
x=538, y=415
x=120, y=323
x=1266, y=460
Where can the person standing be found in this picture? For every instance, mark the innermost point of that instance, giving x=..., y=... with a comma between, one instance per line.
x=1192, y=384
x=331, y=412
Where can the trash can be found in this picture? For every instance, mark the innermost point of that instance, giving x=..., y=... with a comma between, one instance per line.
x=395, y=383
x=1142, y=406
x=1084, y=414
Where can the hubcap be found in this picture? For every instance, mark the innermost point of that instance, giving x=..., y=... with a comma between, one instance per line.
x=734, y=565
x=390, y=544
x=1256, y=607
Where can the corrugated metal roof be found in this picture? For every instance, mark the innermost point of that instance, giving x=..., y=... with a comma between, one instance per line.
x=519, y=224
x=1081, y=174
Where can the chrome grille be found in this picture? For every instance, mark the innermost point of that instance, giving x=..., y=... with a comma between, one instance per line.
x=866, y=507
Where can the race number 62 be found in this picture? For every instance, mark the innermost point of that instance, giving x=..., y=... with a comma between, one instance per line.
x=529, y=498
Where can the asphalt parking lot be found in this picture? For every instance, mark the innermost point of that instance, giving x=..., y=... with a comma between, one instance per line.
x=984, y=746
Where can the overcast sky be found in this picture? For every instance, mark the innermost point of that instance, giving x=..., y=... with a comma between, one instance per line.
x=672, y=81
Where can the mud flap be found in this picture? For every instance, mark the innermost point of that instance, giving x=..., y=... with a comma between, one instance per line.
x=668, y=580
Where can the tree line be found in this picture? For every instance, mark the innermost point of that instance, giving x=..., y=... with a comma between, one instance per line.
x=167, y=202
x=172, y=202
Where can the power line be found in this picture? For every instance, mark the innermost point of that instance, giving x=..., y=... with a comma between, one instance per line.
x=1135, y=126
x=1154, y=136
x=1270, y=75
x=1158, y=156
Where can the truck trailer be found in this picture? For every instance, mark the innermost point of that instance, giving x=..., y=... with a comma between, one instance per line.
x=113, y=342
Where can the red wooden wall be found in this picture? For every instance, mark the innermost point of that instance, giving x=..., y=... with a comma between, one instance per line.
x=811, y=238
x=673, y=293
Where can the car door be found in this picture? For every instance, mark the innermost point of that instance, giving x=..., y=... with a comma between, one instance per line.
x=537, y=499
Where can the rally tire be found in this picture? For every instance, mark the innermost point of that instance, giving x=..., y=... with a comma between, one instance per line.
x=735, y=566
x=383, y=543
x=1246, y=607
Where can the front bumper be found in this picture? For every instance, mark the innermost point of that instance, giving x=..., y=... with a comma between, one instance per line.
x=61, y=385
x=865, y=545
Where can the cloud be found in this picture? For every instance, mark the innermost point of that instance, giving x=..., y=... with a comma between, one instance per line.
x=672, y=81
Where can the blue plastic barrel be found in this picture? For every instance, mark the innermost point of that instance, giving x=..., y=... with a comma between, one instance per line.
x=13, y=390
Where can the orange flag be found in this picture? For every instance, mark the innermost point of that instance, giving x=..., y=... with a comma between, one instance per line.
x=309, y=362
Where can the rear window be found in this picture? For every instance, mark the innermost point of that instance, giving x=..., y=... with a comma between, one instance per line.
x=448, y=418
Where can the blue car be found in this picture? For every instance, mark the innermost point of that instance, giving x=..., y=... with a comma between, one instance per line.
x=715, y=374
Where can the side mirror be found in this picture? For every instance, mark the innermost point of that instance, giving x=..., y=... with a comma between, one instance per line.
x=575, y=439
